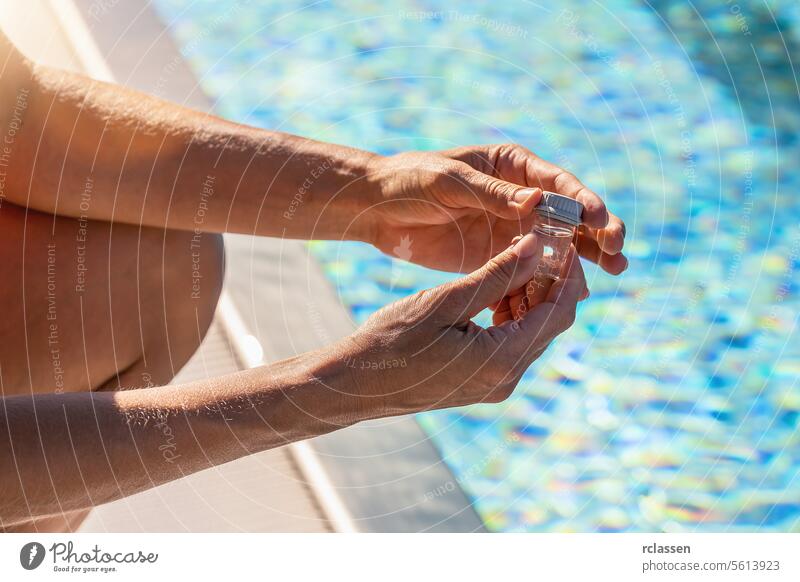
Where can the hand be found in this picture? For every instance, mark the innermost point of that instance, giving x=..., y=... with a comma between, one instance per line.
x=453, y=210
x=424, y=352
x=519, y=301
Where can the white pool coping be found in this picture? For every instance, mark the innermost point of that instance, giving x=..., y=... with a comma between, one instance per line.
x=376, y=476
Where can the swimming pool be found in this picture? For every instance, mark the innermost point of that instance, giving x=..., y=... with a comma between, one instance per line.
x=673, y=404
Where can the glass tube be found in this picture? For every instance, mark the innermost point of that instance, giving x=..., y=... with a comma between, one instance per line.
x=556, y=237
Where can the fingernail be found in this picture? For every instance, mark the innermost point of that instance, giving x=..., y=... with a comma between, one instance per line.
x=515, y=240
x=522, y=196
x=526, y=247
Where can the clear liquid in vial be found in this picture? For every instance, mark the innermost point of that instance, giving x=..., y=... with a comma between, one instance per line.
x=556, y=238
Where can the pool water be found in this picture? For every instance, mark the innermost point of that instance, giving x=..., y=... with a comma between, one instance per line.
x=673, y=404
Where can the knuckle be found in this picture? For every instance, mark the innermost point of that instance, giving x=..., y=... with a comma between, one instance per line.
x=508, y=148
x=526, y=151
x=516, y=149
x=479, y=158
x=513, y=148
x=498, y=270
x=564, y=179
x=500, y=190
x=567, y=319
x=405, y=313
x=428, y=301
x=501, y=392
x=496, y=377
x=594, y=201
x=444, y=302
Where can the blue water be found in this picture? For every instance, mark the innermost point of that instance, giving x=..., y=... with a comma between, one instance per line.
x=673, y=404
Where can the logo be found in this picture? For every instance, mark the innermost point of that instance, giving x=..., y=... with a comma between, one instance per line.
x=402, y=251
x=31, y=555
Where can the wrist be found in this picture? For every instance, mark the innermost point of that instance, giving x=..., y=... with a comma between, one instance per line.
x=309, y=395
x=364, y=197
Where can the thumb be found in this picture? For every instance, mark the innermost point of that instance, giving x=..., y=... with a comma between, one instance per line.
x=511, y=269
x=503, y=199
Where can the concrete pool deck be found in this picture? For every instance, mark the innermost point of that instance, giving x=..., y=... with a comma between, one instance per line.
x=372, y=477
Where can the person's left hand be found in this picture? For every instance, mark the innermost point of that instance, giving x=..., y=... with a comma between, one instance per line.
x=453, y=210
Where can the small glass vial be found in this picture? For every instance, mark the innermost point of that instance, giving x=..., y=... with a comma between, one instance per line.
x=556, y=219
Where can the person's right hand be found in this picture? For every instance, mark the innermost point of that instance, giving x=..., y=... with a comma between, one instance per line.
x=425, y=352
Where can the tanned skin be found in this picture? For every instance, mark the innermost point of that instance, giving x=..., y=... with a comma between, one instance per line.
x=100, y=188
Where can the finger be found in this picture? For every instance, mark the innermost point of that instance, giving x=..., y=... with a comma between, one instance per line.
x=595, y=213
x=611, y=238
x=590, y=249
x=543, y=322
x=503, y=303
x=474, y=189
x=503, y=312
x=550, y=177
x=466, y=297
x=503, y=229
x=500, y=305
x=518, y=290
x=529, y=169
x=518, y=305
x=527, y=337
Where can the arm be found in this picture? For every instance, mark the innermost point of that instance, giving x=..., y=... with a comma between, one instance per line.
x=93, y=149
x=61, y=452
x=145, y=161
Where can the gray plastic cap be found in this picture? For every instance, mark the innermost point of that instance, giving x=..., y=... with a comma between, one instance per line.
x=561, y=208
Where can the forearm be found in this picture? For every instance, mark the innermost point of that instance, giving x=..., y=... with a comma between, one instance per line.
x=102, y=151
x=61, y=452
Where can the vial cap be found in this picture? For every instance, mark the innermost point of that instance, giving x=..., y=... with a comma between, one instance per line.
x=560, y=207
